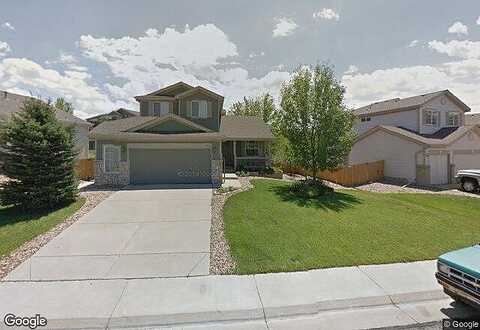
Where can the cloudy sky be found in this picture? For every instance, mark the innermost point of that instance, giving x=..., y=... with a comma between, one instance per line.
x=100, y=54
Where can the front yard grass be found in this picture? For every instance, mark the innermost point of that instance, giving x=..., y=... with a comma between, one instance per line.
x=18, y=227
x=271, y=230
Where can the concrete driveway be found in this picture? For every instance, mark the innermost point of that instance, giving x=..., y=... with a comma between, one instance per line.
x=140, y=232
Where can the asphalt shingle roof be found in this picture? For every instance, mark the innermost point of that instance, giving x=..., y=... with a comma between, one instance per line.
x=397, y=103
x=231, y=127
x=245, y=127
x=11, y=103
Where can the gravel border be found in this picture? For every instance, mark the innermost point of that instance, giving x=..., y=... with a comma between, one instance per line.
x=93, y=197
x=221, y=261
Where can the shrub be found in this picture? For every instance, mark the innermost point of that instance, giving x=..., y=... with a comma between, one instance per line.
x=39, y=159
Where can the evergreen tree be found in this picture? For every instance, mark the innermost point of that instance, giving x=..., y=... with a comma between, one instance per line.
x=39, y=160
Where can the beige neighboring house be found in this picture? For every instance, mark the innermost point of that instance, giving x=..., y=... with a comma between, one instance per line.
x=472, y=119
x=181, y=136
x=11, y=103
x=422, y=139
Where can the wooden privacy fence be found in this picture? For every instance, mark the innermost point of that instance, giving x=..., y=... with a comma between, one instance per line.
x=352, y=175
x=84, y=169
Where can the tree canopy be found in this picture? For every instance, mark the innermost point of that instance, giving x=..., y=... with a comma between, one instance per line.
x=39, y=158
x=314, y=119
x=261, y=106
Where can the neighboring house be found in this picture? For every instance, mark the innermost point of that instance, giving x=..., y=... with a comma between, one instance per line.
x=472, y=119
x=180, y=136
x=11, y=103
x=422, y=139
x=120, y=113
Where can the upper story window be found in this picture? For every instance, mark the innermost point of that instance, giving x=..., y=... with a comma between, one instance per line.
x=364, y=119
x=431, y=117
x=160, y=108
x=252, y=148
x=111, y=158
x=453, y=119
x=199, y=109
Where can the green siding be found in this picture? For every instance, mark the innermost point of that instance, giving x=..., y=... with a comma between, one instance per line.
x=211, y=123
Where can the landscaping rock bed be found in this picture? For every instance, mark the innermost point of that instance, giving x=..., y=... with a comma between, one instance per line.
x=93, y=197
x=221, y=261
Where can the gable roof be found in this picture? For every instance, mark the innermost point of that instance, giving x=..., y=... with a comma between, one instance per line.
x=167, y=117
x=163, y=93
x=398, y=104
x=245, y=128
x=165, y=90
x=11, y=103
x=433, y=140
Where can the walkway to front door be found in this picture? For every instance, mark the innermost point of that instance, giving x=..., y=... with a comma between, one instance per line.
x=139, y=232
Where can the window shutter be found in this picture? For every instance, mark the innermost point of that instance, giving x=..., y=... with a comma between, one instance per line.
x=209, y=109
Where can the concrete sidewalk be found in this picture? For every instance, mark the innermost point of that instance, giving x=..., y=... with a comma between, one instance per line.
x=348, y=298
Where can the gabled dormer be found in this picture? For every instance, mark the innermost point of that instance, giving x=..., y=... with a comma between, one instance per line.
x=196, y=104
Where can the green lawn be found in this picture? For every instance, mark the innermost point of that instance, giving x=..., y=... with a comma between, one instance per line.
x=18, y=227
x=271, y=230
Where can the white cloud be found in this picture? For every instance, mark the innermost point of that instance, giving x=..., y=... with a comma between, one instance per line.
x=8, y=25
x=253, y=54
x=4, y=48
x=327, y=13
x=284, y=27
x=460, y=77
x=458, y=28
x=413, y=43
x=157, y=59
x=351, y=69
x=457, y=48
x=21, y=74
x=478, y=20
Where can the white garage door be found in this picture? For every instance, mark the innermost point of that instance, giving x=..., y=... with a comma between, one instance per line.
x=467, y=162
x=438, y=169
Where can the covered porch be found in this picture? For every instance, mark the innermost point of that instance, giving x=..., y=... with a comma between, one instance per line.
x=249, y=155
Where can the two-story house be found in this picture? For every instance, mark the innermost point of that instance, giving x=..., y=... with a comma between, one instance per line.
x=181, y=136
x=422, y=139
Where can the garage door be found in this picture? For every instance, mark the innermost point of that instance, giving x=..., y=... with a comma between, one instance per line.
x=467, y=162
x=153, y=166
x=438, y=169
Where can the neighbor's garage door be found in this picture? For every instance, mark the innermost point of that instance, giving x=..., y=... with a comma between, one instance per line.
x=153, y=166
x=467, y=161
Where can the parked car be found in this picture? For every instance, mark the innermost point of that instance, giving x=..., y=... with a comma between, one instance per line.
x=459, y=274
x=468, y=179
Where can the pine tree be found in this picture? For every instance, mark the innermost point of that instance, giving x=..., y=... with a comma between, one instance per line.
x=39, y=158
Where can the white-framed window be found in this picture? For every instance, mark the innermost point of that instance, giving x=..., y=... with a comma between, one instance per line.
x=199, y=109
x=160, y=108
x=111, y=158
x=431, y=117
x=453, y=119
x=366, y=119
x=252, y=148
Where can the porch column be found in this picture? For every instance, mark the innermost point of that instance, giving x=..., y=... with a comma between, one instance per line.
x=234, y=155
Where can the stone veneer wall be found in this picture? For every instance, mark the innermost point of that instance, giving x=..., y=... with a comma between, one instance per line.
x=118, y=179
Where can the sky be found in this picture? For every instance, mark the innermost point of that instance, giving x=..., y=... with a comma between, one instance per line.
x=100, y=54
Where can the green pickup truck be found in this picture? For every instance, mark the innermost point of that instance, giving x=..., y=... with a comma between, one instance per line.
x=459, y=274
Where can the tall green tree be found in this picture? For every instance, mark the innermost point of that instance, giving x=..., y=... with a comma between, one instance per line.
x=39, y=158
x=61, y=104
x=261, y=106
x=315, y=120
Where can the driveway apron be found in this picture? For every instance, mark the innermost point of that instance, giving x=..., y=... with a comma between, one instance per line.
x=139, y=232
